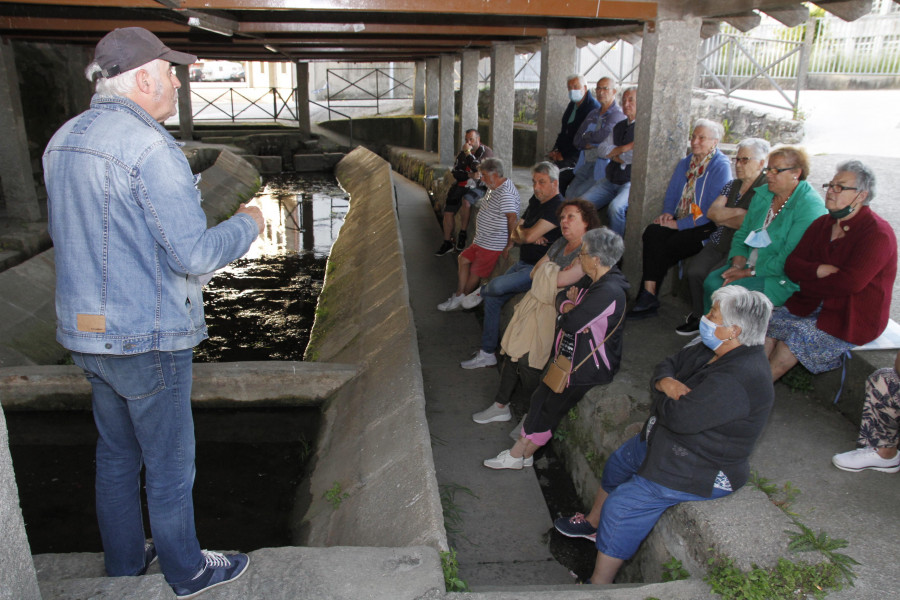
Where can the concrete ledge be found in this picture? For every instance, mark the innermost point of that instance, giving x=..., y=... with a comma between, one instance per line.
x=374, y=444
x=274, y=573
x=289, y=383
x=320, y=161
x=230, y=178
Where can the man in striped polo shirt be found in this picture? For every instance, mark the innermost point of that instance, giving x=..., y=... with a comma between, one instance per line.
x=496, y=220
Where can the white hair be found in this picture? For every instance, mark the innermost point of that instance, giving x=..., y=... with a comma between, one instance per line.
x=758, y=147
x=715, y=128
x=581, y=80
x=124, y=83
x=749, y=310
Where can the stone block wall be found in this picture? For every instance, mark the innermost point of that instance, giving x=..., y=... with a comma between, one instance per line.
x=374, y=481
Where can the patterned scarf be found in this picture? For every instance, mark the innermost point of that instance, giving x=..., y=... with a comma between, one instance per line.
x=688, y=205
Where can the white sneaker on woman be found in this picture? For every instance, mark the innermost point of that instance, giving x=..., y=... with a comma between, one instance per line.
x=505, y=461
x=866, y=458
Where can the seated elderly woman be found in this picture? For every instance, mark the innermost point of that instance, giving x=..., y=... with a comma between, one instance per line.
x=845, y=265
x=710, y=402
x=727, y=212
x=879, y=431
x=776, y=220
x=528, y=338
x=683, y=226
x=589, y=336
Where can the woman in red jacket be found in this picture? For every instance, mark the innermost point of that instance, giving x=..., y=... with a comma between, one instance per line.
x=845, y=265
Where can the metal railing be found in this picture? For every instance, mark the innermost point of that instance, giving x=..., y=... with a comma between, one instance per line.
x=233, y=104
x=363, y=88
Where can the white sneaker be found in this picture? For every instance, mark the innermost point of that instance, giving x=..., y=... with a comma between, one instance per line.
x=451, y=303
x=491, y=414
x=481, y=359
x=528, y=462
x=472, y=300
x=505, y=461
x=865, y=458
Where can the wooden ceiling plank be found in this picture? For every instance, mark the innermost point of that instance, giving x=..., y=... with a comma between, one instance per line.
x=606, y=9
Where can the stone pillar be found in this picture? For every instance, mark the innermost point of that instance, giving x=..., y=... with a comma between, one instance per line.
x=185, y=110
x=558, y=60
x=468, y=113
x=17, y=576
x=432, y=102
x=446, y=147
x=15, y=161
x=302, y=98
x=419, y=90
x=662, y=126
x=503, y=101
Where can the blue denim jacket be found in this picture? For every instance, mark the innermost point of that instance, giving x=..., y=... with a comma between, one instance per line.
x=129, y=234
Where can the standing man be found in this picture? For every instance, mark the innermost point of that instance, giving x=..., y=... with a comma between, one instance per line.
x=131, y=241
x=494, y=227
x=535, y=232
x=565, y=153
x=594, y=141
x=467, y=190
x=613, y=189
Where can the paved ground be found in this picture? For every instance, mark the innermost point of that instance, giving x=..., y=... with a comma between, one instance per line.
x=500, y=537
x=505, y=522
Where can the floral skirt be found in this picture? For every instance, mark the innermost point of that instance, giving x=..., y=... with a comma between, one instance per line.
x=815, y=349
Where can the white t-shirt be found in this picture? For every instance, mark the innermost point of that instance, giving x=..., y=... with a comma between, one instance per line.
x=491, y=229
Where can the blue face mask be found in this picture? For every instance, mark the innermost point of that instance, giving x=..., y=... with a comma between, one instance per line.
x=708, y=334
x=576, y=95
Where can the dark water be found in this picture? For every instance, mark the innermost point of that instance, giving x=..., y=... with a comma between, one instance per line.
x=249, y=466
x=250, y=461
x=262, y=307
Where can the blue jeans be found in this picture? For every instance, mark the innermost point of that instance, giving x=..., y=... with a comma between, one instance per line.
x=142, y=409
x=495, y=294
x=634, y=504
x=603, y=193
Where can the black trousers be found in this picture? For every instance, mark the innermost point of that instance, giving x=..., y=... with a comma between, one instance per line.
x=517, y=383
x=548, y=408
x=664, y=247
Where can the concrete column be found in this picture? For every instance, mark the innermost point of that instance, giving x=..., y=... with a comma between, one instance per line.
x=15, y=162
x=432, y=102
x=17, y=576
x=419, y=90
x=446, y=147
x=503, y=101
x=185, y=110
x=468, y=113
x=662, y=127
x=302, y=98
x=558, y=60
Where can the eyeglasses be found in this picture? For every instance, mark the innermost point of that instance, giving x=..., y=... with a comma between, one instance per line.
x=836, y=187
x=776, y=170
x=742, y=160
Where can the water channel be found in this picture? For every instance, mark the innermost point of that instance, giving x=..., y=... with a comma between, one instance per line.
x=260, y=307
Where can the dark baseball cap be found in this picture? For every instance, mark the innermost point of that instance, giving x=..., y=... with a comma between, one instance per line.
x=127, y=48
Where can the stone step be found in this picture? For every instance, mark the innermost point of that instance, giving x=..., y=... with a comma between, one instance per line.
x=274, y=573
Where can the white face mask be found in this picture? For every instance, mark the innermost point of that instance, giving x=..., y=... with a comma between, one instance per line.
x=758, y=239
x=576, y=95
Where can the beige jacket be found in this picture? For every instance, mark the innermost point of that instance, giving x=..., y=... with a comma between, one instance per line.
x=531, y=329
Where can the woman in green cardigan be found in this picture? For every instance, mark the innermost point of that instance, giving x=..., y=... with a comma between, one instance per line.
x=777, y=218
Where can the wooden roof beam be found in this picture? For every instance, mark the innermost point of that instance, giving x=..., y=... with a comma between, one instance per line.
x=605, y=9
x=790, y=16
x=743, y=22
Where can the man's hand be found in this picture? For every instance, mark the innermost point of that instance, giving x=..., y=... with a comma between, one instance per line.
x=467, y=148
x=255, y=213
x=672, y=388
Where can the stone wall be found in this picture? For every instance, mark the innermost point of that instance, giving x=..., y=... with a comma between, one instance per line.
x=374, y=481
x=742, y=121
